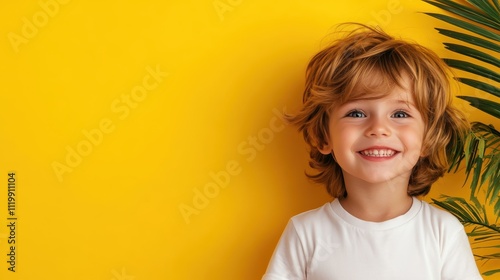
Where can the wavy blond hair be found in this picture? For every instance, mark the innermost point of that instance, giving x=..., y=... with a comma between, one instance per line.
x=337, y=73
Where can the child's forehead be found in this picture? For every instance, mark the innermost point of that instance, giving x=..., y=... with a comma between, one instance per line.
x=396, y=95
x=374, y=88
x=379, y=78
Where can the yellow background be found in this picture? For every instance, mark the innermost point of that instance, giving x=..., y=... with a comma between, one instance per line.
x=67, y=69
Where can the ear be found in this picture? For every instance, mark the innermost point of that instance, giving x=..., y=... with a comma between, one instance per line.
x=325, y=149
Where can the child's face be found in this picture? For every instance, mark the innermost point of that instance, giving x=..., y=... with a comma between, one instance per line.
x=377, y=140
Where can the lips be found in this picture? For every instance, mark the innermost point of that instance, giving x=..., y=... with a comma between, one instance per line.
x=379, y=152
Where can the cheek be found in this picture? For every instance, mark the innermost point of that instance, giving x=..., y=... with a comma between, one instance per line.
x=337, y=135
x=413, y=140
x=343, y=137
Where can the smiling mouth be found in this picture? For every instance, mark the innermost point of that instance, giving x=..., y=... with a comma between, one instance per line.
x=378, y=152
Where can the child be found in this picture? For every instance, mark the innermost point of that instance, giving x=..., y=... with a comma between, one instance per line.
x=378, y=119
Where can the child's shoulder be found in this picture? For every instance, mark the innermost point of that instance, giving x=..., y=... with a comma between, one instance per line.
x=314, y=216
x=439, y=217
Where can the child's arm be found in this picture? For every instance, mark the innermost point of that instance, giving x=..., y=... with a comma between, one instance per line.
x=289, y=260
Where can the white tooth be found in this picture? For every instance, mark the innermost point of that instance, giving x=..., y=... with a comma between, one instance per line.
x=378, y=153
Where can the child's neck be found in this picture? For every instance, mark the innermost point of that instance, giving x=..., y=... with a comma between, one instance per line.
x=377, y=203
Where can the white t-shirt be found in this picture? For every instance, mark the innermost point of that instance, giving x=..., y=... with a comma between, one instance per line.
x=329, y=243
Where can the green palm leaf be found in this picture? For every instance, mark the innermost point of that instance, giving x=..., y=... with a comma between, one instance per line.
x=465, y=12
x=486, y=7
x=481, y=86
x=497, y=5
x=470, y=52
x=470, y=39
x=491, y=272
x=473, y=68
x=485, y=105
x=482, y=149
x=467, y=26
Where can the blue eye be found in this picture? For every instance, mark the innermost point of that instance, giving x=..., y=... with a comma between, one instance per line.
x=356, y=114
x=400, y=114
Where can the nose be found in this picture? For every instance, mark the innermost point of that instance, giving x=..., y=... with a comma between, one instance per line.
x=378, y=126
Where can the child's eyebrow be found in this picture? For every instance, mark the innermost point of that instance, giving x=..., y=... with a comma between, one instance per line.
x=405, y=102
